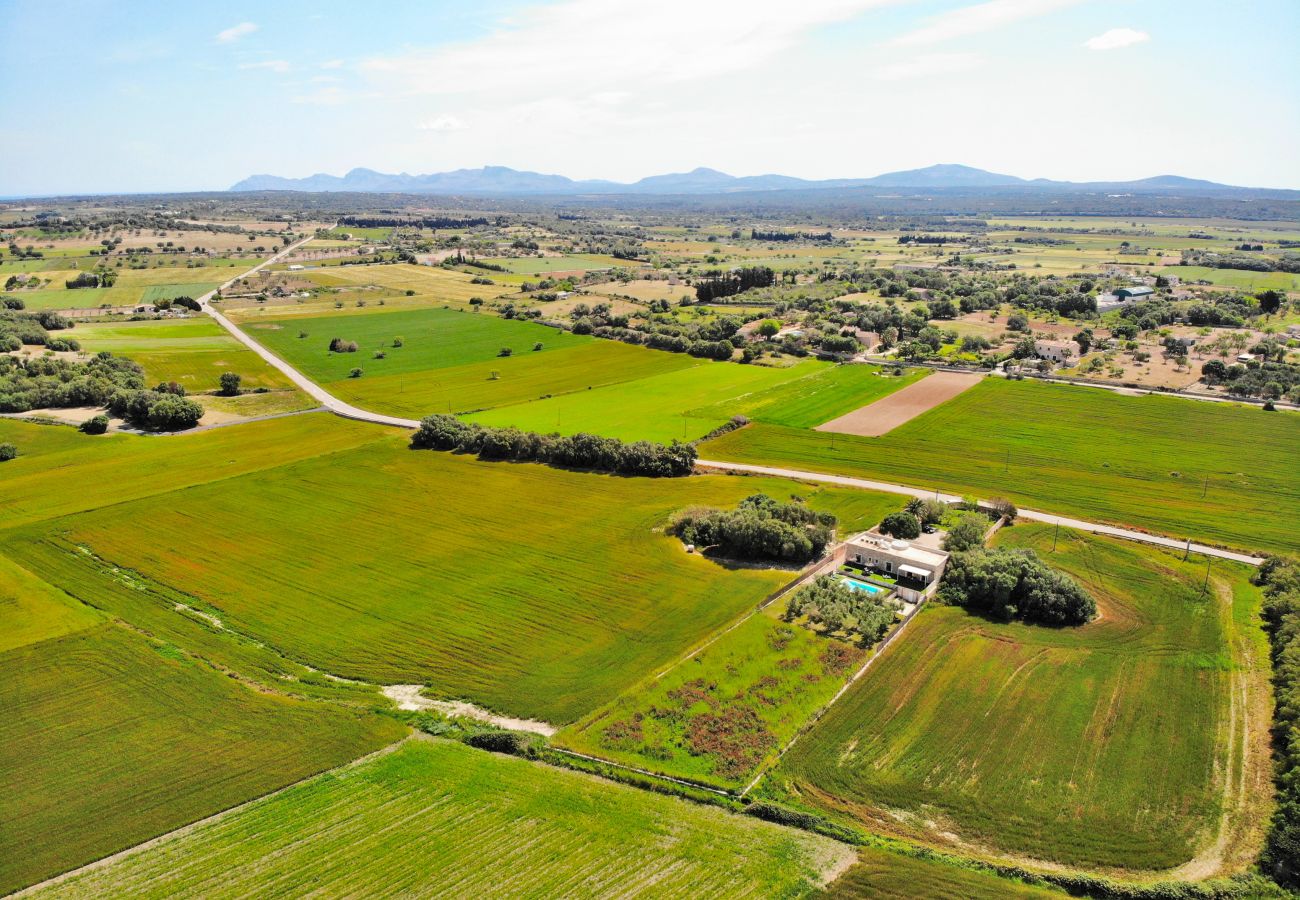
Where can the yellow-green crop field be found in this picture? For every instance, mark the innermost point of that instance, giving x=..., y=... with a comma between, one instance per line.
x=1107, y=745
x=434, y=818
x=1215, y=472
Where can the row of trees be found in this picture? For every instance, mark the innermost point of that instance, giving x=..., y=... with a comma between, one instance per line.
x=835, y=606
x=726, y=284
x=579, y=451
x=760, y=528
x=1015, y=584
x=1281, y=582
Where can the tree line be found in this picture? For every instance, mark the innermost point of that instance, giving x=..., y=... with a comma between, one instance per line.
x=1281, y=582
x=404, y=222
x=578, y=451
x=727, y=284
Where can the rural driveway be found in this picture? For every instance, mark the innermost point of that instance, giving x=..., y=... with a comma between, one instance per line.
x=1031, y=515
x=348, y=411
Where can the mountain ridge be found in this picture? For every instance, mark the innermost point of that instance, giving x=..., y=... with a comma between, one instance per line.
x=505, y=181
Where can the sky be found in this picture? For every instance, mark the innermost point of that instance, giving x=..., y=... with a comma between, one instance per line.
x=101, y=96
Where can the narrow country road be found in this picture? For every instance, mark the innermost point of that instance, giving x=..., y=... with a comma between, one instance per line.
x=348, y=411
x=1031, y=515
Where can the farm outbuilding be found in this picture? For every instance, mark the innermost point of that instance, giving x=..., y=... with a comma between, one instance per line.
x=1133, y=293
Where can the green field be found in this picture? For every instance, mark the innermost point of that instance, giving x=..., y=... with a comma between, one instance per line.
x=1135, y=461
x=193, y=352
x=444, y=570
x=112, y=738
x=659, y=408
x=829, y=392
x=881, y=875
x=437, y=818
x=1105, y=745
x=718, y=716
x=192, y=289
x=1237, y=278
x=575, y=262
x=432, y=339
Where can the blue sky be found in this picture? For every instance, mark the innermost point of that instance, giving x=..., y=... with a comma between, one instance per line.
x=143, y=96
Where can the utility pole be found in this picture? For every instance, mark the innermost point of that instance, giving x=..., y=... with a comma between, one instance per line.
x=1056, y=534
x=1205, y=487
x=1205, y=586
x=1187, y=549
x=1006, y=467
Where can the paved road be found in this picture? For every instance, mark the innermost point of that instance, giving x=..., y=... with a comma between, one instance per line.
x=348, y=411
x=326, y=399
x=1032, y=515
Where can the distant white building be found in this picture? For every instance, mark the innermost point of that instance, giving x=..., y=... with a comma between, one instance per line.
x=1058, y=352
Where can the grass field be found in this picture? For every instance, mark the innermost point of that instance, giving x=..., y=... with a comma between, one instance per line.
x=519, y=379
x=574, y=262
x=1135, y=461
x=829, y=392
x=111, y=739
x=445, y=286
x=881, y=875
x=432, y=339
x=1104, y=745
x=33, y=611
x=436, y=818
x=718, y=716
x=1237, y=278
x=658, y=408
x=443, y=569
x=192, y=352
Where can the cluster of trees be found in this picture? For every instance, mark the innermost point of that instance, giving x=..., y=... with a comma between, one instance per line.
x=760, y=528
x=339, y=345
x=726, y=284
x=41, y=382
x=156, y=410
x=104, y=278
x=1270, y=379
x=579, y=451
x=831, y=603
x=1281, y=582
x=1015, y=584
x=18, y=328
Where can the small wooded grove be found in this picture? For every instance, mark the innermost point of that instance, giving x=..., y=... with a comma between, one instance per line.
x=831, y=603
x=1015, y=584
x=1281, y=582
x=760, y=528
x=578, y=451
x=727, y=284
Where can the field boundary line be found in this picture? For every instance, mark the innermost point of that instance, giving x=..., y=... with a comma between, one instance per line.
x=730, y=795
x=104, y=861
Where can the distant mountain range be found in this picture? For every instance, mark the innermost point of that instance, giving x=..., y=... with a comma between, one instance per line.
x=503, y=181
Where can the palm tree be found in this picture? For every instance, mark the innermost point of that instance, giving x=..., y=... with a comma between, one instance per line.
x=915, y=506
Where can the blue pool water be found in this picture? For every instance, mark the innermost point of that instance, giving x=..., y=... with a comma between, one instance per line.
x=860, y=585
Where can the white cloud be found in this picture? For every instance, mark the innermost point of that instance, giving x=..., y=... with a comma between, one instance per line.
x=928, y=64
x=1116, y=38
x=983, y=17
x=443, y=123
x=235, y=32
x=273, y=65
x=553, y=51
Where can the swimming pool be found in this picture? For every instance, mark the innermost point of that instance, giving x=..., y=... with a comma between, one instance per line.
x=861, y=585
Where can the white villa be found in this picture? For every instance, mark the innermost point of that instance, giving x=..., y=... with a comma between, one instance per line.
x=1057, y=351
x=916, y=569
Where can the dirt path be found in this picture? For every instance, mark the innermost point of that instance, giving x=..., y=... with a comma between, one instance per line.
x=408, y=697
x=888, y=413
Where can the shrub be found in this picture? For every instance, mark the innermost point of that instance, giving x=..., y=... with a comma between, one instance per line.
x=516, y=743
x=1015, y=584
x=355, y=373
x=94, y=425
x=537, y=346
x=1001, y=506
x=397, y=342
x=901, y=525
x=8, y=452
x=505, y=351
x=339, y=345
x=966, y=534
x=230, y=382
